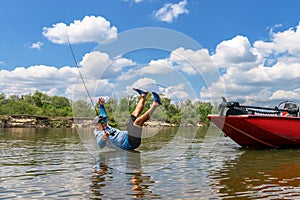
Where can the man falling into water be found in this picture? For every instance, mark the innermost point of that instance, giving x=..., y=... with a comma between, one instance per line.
x=131, y=138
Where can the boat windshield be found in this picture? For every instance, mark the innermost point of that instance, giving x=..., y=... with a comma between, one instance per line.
x=288, y=105
x=291, y=107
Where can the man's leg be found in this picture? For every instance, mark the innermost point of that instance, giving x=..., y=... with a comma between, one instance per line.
x=140, y=106
x=146, y=116
x=134, y=126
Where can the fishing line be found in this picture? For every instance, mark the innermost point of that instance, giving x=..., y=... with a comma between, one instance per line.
x=86, y=89
x=83, y=82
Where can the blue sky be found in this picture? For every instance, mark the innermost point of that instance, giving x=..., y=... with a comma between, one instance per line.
x=253, y=48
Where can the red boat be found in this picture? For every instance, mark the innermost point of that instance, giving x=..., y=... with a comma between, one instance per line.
x=259, y=127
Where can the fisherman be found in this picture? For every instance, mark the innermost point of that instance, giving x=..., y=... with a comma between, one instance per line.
x=131, y=138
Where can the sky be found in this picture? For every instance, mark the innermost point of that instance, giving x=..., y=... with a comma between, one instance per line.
x=248, y=51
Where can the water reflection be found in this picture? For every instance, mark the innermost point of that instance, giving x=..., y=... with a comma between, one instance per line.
x=259, y=174
x=41, y=164
x=120, y=171
x=54, y=164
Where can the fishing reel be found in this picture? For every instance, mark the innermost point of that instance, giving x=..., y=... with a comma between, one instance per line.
x=112, y=132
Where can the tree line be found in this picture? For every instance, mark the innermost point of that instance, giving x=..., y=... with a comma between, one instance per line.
x=118, y=110
x=35, y=104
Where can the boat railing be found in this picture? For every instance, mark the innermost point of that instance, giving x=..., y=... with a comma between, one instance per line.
x=286, y=108
x=262, y=111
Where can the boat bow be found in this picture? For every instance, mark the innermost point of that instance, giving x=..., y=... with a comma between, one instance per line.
x=258, y=127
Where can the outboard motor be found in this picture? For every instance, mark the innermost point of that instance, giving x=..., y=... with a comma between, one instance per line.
x=227, y=108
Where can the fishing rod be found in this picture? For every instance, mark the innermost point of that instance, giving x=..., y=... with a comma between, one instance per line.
x=112, y=132
x=83, y=82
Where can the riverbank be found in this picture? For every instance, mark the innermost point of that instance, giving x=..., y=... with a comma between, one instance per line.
x=33, y=121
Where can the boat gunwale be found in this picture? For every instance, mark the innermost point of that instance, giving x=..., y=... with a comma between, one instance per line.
x=254, y=116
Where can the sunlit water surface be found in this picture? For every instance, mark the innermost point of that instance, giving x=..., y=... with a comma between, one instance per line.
x=58, y=164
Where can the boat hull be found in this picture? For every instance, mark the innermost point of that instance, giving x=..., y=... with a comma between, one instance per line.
x=259, y=131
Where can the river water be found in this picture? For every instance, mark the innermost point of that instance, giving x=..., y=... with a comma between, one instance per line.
x=170, y=164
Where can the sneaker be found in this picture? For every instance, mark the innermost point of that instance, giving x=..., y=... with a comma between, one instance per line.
x=156, y=98
x=140, y=91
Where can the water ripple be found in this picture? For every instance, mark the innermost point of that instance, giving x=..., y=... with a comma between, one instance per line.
x=53, y=164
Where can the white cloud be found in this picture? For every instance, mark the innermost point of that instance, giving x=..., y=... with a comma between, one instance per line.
x=169, y=11
x=40, y=77
x=95, y=63
x=258, y=84
x=63, y=81
x=155, y=67
x=287, y=41
x=160, y=66
x=142, y=83
x=245, y=77
x=236, y=52
x=89, y=29
x=191, y=62
x=36, y=45
x=180, y=60
x=285, y=94
x=98, y=72
x=95, y=88
x=99, y=65
x=119, y=63
x=52, y=92
x=175, y=92
x=248, y=79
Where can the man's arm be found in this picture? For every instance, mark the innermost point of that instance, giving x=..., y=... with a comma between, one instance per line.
x=102, y=139
x=101, y=102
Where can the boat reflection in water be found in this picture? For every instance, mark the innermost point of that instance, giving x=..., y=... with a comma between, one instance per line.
x=123, y=165
x=264, y=174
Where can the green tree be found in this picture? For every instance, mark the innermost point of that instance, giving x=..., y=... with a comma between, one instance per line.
x=60, y=102
x=203, y=110
x=82, y=109
x=118, y=110
x=189, y=112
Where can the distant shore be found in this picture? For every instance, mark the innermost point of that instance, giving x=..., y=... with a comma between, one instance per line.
x=33, y=121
